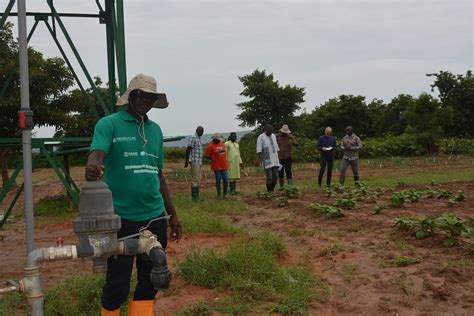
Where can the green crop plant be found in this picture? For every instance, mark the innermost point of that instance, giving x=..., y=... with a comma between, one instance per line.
x=444, y=194
x=397, y=200
x=327, y=210
x=460, y=196
x=283, y=201
x=345, y=203
x=430, y=193
x=291, y=191
x=451, y=202
x=379, y=208
x=405, y=223
x=401, y=184
x=453, y=226
x=412, y=195
x=427, y=227
x=264, y=195
x=328, y=192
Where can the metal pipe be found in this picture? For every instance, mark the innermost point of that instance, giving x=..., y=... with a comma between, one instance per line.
x=120, y=48
x=26, y=133
x=31, y=284
x=109, y=29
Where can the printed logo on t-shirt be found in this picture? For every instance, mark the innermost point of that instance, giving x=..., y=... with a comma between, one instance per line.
x=130, y=154
x=124, y=139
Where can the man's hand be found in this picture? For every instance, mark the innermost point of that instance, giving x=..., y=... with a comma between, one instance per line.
x=242, y=166
x=176, y=230
x=94, y=172
x=186, y=164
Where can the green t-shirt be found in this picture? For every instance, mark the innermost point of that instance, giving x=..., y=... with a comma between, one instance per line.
x=131, y=166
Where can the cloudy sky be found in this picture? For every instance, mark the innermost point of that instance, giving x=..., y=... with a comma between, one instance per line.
x=197, y=49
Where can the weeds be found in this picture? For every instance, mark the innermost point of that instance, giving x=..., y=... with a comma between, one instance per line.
x=248, y=270
x=401, y=261
x=264, y=195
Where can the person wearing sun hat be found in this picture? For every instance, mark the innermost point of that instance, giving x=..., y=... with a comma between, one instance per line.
x=127, y=152
x=216, y=152
x=286, y=141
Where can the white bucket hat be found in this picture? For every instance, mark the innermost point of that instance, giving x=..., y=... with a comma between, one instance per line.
x=146, y=84
x=285, y=129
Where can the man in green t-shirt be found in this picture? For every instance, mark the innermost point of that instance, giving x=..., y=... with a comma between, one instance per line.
x=127, y=151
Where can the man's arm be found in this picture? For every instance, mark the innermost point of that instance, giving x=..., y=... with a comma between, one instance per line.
x=188, y=153
x=358, y=145
x=95, y=165
x=176, y=229
x=319, y=145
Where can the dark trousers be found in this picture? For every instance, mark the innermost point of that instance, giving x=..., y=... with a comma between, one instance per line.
x=119, y=268
x=221, y=175
x=326, y=160
x=272, y=178
x=354, y=166
x=286, y=163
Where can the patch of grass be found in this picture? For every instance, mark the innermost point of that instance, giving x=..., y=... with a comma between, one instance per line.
x=349, y=271
x=11, y=303
x=200, y=309
x=57, y=206
x=331, y=250
x=401, y=261
x=207, y=217
x=407, y=285
x=250, y=271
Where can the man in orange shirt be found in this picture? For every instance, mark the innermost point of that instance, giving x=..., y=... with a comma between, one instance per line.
x=216, y=153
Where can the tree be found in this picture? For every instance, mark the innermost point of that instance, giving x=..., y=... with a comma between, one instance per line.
x=270, y=102
x=424, y=118
x=338, y=113
x=49, y=82
x=457, y=92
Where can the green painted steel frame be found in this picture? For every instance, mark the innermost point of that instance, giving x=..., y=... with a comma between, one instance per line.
x=115, y=39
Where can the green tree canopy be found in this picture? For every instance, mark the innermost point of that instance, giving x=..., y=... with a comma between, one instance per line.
x=457, y=92
x=270, y=103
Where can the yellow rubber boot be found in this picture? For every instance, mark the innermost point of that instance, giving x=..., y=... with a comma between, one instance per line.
x=105, y=312
x=140, y=308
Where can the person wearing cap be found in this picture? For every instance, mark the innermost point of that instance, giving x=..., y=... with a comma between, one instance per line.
x=286, y=141
x=217, y=154
x=234, y=161
x=194, y=157
x=267, y=153
x=127, y=152
x=327, y=147
x=351, y=145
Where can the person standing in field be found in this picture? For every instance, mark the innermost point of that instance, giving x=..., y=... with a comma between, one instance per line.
x=217, y=154
x=351, y=145
x=286, y=141
x=194, y=157
x=267, y=153
x=127, y=150
x=234, y=160
x=327, y=147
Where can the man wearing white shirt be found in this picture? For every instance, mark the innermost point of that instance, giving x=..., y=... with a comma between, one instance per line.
x=327, y=147
x=267, y=152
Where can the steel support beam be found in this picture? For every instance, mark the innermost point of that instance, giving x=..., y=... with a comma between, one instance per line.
x=120, y=48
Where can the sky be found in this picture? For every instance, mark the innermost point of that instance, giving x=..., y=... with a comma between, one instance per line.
x=197, y=49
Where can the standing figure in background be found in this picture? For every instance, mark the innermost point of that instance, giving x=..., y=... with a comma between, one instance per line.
x=285, y=141
x=327, y=147
x=267, y=153
x=194, y=157
x=217, y=154
x=351, y=145
x=234, y=160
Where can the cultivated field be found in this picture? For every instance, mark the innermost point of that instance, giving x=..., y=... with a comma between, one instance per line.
x=386, y=247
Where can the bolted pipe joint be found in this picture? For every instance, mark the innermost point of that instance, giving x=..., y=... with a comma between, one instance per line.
x=160, y=274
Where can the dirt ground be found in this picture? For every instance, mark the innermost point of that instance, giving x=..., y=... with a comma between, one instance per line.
x=349, y=253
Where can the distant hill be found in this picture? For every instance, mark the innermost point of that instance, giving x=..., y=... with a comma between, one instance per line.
x=206, y=138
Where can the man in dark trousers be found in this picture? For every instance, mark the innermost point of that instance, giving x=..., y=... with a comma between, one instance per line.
x=127, y=150
x=327, y=147
x=351, y=145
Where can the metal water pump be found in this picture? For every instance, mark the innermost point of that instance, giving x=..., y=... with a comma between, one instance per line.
x=96, y=228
